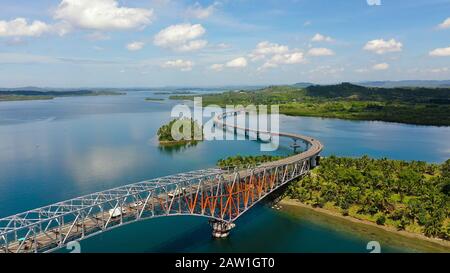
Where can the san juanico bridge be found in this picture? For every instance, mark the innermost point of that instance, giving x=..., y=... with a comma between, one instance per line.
x=222, y=196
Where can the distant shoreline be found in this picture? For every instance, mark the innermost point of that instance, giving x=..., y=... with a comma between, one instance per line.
x=176, y=142
x=50, y=95
x=410, y=235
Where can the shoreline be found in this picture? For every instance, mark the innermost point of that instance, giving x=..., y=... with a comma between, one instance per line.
x=349, y=219
x=176, y=142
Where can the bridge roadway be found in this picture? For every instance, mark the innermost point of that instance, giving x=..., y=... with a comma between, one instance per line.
x=213, y=193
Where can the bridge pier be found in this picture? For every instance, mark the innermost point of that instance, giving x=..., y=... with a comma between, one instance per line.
x=221, y=229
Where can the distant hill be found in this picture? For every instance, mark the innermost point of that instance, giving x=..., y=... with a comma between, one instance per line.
x=303, y=84
x=49, y=93
x=407, y=83
x=357, y=92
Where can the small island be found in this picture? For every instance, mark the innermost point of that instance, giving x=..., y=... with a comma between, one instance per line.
x=154, y=99
x=44, y=94
x=194, y=131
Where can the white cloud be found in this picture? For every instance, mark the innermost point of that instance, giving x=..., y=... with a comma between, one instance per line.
x=381, y=46
x=445, y=24
x=318, y=52
x=20, y=27
x=182, y=37
x=321, y=38
x=264, y=49
x=135, y=46
x=279, y=59
x=380, y=66
x=440, y=52
x=180, y=64
x=199, y=12
x=275, y=55
x=237, y=63
x=102, y=15
x=192, y=45
x=216, y=67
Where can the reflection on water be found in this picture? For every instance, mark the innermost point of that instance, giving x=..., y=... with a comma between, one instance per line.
x=177, y=147
x=56, y=150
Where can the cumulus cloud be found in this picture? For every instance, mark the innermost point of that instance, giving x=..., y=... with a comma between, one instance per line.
x=279, y=59
x=445, y=24
x=102, y=15
x=321, y=38
x=381, y=46
x=274, y=55
x=237, y=63
x=321, y=51
x=135, y=46
x=199, y=12
x=217, y=67
x=180, y=64
x=380, y=66
x=440, y=52
x=21, y=27
x=182, y=37
x=264, y=49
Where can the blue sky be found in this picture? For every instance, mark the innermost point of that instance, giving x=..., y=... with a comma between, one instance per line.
x=124, y=43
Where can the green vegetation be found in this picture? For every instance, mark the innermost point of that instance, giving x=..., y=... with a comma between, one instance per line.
x=186, y=131
x=153, y=99
x=19, y=98
x=240, y=161
x=424, y=106
x=412, y=196
x=49, y=95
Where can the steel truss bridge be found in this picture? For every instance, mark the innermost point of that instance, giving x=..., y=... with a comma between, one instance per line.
x=220, y=195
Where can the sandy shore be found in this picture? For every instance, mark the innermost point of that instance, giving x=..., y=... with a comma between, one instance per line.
x=406, y=234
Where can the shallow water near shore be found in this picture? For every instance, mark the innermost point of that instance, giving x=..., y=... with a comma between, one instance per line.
x=362, y=231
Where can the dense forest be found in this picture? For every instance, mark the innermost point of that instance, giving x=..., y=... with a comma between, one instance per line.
x=356, y=92
x=423, y=106
x=412, y=196
x=194, y=131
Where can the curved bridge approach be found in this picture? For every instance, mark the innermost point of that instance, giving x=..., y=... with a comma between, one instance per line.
x=220, y=195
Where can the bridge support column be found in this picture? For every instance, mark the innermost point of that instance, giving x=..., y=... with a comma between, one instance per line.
x=221, y=229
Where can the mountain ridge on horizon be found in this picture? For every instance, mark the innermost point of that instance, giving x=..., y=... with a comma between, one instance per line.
x=380, y=84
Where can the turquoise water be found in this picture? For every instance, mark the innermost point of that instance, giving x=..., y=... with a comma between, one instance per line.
x=63, y=148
